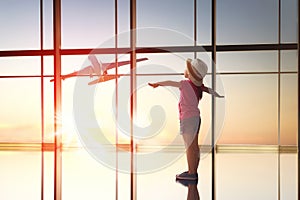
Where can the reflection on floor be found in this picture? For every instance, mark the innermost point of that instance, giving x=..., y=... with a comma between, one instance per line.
x=244, y=176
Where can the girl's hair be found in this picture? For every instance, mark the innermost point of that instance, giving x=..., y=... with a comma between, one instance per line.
x=198, y=90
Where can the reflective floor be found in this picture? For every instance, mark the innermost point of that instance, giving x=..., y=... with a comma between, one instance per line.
x=237, y=176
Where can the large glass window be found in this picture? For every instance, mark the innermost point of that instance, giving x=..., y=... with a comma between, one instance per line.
x=127, y=119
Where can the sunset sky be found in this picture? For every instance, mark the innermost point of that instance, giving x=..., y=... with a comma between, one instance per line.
x=251, y=101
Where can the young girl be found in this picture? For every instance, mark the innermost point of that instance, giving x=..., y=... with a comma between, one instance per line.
x=189, y=114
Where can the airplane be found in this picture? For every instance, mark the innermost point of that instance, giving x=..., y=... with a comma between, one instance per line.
x=98, y=69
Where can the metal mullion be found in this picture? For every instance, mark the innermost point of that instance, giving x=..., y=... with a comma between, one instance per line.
x=195, y=27
x=42, y=99
x=116, y=99
x=214, y=49
x=26, y=53
x=162, y=74
x=57, y=100
x=158, y=49
x=132, y=96
x=298, y=139
x=22, y=76
x=278, y=102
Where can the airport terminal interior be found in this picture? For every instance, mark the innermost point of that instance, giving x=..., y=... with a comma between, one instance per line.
x=79, y=119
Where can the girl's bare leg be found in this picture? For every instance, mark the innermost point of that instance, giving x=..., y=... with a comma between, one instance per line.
x=192, y=151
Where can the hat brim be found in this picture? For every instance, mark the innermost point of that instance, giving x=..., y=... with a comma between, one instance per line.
x=198, y=82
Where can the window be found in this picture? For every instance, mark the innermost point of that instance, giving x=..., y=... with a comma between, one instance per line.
x=120, y=134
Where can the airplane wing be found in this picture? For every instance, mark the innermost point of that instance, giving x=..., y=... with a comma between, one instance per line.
x=107, y=66
x=85, y=71
x=103, y=78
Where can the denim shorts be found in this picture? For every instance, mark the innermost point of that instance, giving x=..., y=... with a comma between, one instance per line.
x=190, y=125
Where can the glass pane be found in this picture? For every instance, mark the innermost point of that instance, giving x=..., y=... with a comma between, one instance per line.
x=48, y=175
x=48, y=110
x=69, y=131
x=173, y=25
x=204, y=22
x=20, y=24
x=89, y=178
x=288, y=176
x=19, y=66
x=220, y=109
x=246, y=176
x=244, y=21
x=288, y=109
x=289, y=21
x=20, y=110
x=289, y=61
x=17, y=170
x=263, y=61
x=48, y=100
x=48, y=24
x=87, y=23
x=48, y=65
x=123, y=186
x=251, y=109
x=123, y=23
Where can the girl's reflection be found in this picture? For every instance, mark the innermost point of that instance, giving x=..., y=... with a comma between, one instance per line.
x=193, y=193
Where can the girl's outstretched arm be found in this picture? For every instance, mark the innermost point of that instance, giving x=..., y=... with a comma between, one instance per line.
x=165, y=83
x=211, y=91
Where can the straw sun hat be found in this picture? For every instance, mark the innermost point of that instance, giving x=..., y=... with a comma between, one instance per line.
x=197, y=69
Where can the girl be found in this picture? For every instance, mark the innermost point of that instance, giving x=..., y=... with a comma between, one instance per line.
x=189, y=114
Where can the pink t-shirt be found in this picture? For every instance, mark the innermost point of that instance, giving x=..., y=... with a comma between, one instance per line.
x=188, y=102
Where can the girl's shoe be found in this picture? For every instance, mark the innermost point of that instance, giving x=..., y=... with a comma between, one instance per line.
x=187, y=176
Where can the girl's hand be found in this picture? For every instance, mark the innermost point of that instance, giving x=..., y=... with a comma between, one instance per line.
x=220, y=96
x=154, y=85
x=216, y=94
x=212, y=92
